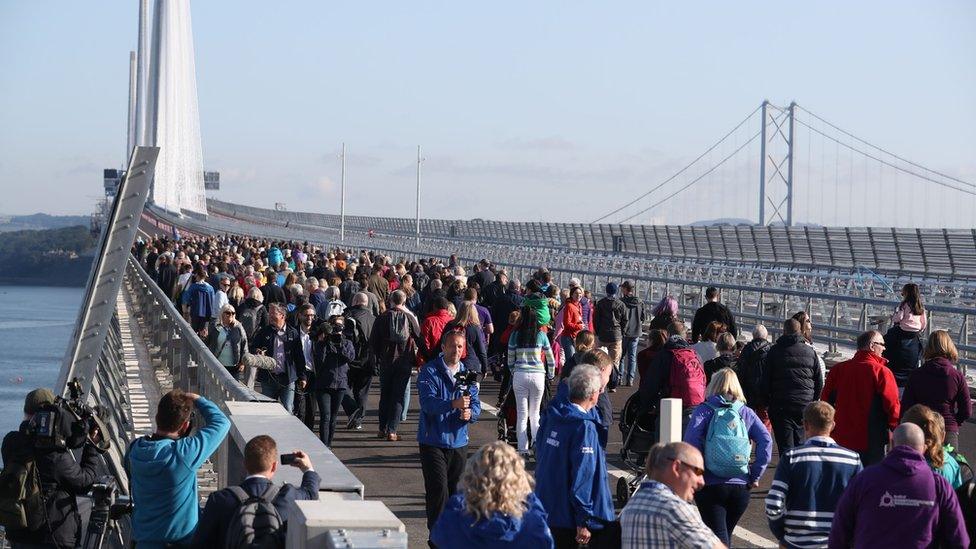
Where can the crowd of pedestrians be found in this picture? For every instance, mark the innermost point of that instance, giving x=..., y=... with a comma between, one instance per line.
x=883, y=424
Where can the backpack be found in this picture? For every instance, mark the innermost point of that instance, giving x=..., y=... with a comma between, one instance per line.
x=249, y=319
x=727, y=446
x=687, y=377
x=21, y=496
x=399, y=332
x=255, y=523
x=353, y=331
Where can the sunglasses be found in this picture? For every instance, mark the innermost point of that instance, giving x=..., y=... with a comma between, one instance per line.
x=694, y=468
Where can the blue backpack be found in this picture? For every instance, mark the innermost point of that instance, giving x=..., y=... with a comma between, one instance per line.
x=727, y=446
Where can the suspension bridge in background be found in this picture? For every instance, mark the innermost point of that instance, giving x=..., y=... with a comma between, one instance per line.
x=846, y=274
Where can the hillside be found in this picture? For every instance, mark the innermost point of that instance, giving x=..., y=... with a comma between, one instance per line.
x=39, y=221
x=51, y=257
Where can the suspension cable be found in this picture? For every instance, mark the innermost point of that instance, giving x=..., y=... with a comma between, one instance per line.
x=682, y=170
x=696, y=180
x=895, y=166
x=889, y=153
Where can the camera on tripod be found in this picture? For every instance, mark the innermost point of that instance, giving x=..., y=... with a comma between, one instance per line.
x=107, y=507
x=66, y=423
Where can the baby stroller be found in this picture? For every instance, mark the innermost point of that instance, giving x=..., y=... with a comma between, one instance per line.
x=640, y=433
x=507, y=412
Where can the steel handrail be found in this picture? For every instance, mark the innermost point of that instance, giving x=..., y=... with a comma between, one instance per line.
x=215, y=373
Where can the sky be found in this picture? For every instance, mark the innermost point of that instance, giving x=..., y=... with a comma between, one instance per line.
x=532, y=111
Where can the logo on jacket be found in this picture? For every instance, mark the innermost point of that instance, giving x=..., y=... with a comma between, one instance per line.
x=552, y=440
x=888, y=500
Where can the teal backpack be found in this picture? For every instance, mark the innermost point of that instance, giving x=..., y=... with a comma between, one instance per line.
x=727, y=446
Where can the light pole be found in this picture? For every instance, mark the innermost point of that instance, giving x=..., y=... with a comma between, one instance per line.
x=420, y=161
x=342, y=196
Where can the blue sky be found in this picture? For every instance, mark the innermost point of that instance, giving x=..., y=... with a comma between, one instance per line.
x=535, y=111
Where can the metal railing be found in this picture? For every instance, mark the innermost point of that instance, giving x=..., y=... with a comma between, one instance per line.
x=861, y=282
x=179, y=349
x=838, y=318
x=948, y=253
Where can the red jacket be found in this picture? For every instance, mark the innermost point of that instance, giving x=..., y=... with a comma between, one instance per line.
x=854, y=387
x=572, y=319
x=431, y=332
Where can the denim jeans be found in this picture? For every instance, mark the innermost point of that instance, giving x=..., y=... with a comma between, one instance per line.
x=329, y=401
x=567, y=344
x=285, y=393
x=406, y=400
x=628, y=359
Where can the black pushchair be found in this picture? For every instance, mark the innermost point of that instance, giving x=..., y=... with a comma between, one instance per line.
x=639, y=430
x=507, y=412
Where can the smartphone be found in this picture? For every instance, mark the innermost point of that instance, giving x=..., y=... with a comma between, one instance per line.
x=288, y=459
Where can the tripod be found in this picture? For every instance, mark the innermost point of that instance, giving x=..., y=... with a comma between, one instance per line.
x=107, y=508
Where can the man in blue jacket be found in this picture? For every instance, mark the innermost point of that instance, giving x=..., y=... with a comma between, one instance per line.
x=445, y=412
x=571, y=475
x=163, y=469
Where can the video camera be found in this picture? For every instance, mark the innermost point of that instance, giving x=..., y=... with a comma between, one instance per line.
x=66, y=423
x=464, y=379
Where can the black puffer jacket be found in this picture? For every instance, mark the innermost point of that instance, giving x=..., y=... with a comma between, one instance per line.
x=610, y=319
x=62, y=479
x=752, y=363
x=716, y=364
x=792, y=375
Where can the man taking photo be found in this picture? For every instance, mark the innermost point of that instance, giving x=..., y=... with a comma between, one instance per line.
x=163, y=469
x=261, y=464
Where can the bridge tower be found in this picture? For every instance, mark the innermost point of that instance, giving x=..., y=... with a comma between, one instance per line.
x=172, y=118
x=776, y=164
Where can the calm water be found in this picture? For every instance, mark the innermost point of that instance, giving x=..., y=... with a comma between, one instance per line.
x=35, y=325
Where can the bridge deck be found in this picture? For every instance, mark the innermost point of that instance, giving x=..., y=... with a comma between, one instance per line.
x=391, y=470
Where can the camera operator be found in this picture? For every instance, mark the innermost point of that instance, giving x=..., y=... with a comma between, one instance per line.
x=332, y=352
x=61, y=479
x=448, y=403
x=163, y=469
x=261, y=464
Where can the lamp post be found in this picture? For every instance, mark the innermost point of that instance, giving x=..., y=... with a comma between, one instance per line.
x=342, y=195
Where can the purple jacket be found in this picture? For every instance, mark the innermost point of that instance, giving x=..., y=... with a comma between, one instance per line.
x=900, y=503
x=942, y=387
x=698, y=428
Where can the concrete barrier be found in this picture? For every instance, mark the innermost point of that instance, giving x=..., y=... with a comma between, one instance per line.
x=250, y=419
x=359, y=524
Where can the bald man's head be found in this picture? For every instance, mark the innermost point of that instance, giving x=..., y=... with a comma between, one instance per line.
x=908, y=434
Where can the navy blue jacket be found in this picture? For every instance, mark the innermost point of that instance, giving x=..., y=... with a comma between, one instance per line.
x=571, y=475
x=332, y=363
x=221, y=505
x=603, y=409
x=440, y=424
x=456, y=528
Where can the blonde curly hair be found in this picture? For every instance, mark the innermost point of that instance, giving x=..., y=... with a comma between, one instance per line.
x=495, y=480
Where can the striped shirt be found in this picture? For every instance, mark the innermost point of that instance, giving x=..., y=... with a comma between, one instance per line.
x=656, y=517
x=532, y=359
x=808, y=484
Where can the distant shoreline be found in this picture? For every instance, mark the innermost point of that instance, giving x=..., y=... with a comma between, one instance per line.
x=40, y=282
